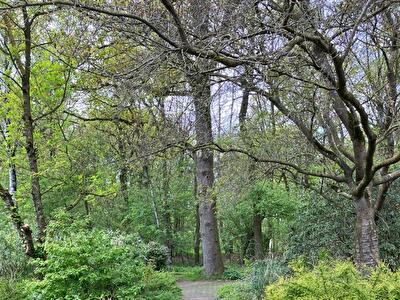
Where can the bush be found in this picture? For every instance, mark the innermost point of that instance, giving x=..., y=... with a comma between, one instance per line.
x=335, y=280
x=233, y=272
x=13, y=261
x=188, y=273
x=237, y=291
x=156, y=254
x=11, y=289
x=83, y=263
x=260, y=274
x=266, y=272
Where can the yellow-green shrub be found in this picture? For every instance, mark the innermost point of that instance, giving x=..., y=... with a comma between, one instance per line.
x=335, y=280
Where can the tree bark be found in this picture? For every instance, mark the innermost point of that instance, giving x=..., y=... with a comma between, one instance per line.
x=29, y=130
x=167, y=213
x=366, y=248
x=123, y=170
x=24, y=232
x=212, y=258
x=197, y=228
x=197, y=238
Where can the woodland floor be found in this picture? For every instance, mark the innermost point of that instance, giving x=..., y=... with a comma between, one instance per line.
x=201, y=290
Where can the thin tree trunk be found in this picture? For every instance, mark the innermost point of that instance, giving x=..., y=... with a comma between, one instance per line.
x=29, y=130
x=146, y=183
x=257, y=233
x=12, y=175
x=123, y=181
x=197, y=228
x=257, y=217
x=246, y=243
x=197, y=238
x=366, y=248
x=167, y=213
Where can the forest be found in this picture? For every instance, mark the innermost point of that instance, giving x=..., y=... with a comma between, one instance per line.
x=199, y=149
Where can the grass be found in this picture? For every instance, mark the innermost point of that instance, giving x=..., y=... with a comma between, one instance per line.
x=190, y=273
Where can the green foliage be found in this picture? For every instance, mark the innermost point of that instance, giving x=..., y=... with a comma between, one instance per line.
x=236, y=291
x=156, y=255
x=266, y=272
x=234, y=272
x=187, y=273
x=321, y=226
x=85, y=263
x=335, y=280
x=327, y=226
x=389, y=228
x=273, y=199
x=259, y=275
x=11, y=289
x=13, y=262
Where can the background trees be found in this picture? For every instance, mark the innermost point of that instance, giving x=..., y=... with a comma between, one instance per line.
x=108, y=111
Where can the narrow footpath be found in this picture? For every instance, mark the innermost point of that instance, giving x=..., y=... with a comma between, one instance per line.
x=201, y=290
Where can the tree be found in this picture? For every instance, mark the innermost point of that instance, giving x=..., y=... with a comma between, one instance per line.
x=330, y=68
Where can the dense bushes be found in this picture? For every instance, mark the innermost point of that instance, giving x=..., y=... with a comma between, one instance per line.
x=322, y=225
x=13, y=263
x=260, y=274
x=335, y=280
x=156, y=255
x=84, y=263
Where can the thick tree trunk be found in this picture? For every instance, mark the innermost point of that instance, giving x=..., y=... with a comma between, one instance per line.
x=212, y=258
x=366, y=248
x=257, y=232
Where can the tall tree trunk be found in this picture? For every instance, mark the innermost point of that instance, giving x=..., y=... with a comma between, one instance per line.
x=257, y=217
x=366, y=248
x=167, y=213
x=123, y=170
x=146, y=184
x=29, y=130
x=212, y=258
x=123, y=181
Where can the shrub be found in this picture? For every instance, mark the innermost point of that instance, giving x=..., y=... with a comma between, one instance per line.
x=260, y=274
x=84, y=263
x=13, y=261
x=237, y=291
x=11, y=289
x=266, y=272
x=335, y=280
x=188, y=273
x=233, y=272
x=156, y=254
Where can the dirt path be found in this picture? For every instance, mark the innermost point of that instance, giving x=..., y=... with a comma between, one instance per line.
x=201, y=290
